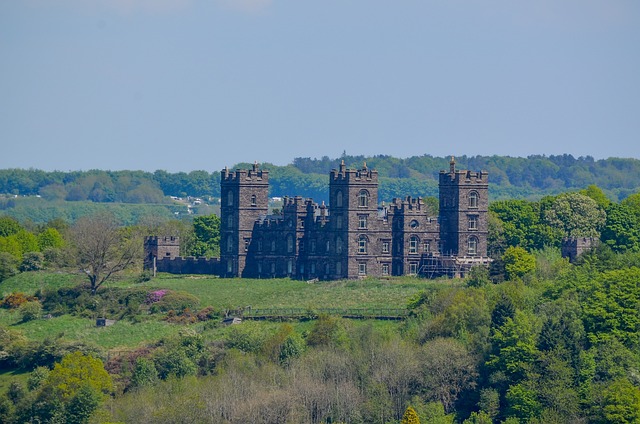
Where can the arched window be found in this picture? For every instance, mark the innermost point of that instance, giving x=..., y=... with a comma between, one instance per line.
x=363, y=199
x=230, y=198
x=229, y=244
x=472, y=246
x=413, y=244
x=473, y=199
x=289, y=243
x=362, y=244
x=339, y=198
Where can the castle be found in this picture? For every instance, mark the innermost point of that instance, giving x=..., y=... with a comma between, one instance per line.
x=352, y=237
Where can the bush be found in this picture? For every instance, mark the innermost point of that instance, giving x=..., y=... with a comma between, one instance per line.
x=175, y=301
x=8, y=265
x=30, y=310
x=14, y=300
x=32, y=261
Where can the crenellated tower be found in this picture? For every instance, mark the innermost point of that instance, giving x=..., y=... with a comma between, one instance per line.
x=244, y=199
x=464, y=204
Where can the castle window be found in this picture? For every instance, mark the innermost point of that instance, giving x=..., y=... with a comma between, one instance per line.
x=312, y=268
x=246, y=244
x=230, y=198
x=289, y=266
x=229, y=244
x=328, y=246
x=273, y=245
x=230, y=221
x=414, y=224
x=362, y=244
x=363, y=199
x=259, y=267
x=301, y=246
x=273, y=267
x=473, y=199
x=289, y=243
x=362, y=268
x=259, y=245
x=413, y=268
x=339, y=222
x=327, y=269
x=385, y=269
x=313, y=246
x=338, y=268
x=413, y=244
x=253, y=200
x=339, y=198
x=473, y=222
x=362, y=221
x=427, y=246
x=339, y=245
x=229, y=266
x=385, y=247
x=472, y=246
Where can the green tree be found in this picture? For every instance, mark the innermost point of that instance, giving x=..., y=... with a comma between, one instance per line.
x=621, y=402
x=622, y=228
x=75, y=371
x=8, y=265
x=144, y=373
x=410, y=416
x=50, y=238
x=8, y=226
x=576, y=215
x=518, y=262
x=207, y=236
x=32, y=261
x=596, y=193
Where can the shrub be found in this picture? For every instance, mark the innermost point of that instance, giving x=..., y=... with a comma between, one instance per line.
x=30, y=310
x=14, y=300
x=8, y=265
x=32, y=261
x=177, y=301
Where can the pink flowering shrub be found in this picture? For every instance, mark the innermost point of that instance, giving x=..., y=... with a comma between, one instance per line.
x=155, y=296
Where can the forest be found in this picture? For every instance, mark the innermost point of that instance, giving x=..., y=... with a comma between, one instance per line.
x=532, y=338
x=73, y=194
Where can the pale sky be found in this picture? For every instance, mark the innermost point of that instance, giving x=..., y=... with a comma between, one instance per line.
x=186, y=85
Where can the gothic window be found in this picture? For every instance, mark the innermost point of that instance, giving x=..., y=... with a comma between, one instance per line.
x=362, y=268
x=230, y=198
x=413, y=244
x=473, y=222
x=253, y=200
x=289, y=243
x=229, y=244
x=339, y=245
x=363, y=199
x=339, y=198
x=362, y=221
x=472, y=246
x=473, y=199
x=362, y=244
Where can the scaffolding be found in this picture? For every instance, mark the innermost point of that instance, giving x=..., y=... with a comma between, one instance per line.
x=433, y=266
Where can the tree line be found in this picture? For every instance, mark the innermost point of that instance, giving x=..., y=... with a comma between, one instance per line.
x=509, y=177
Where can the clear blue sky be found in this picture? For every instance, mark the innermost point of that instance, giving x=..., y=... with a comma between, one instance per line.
x=182, y=85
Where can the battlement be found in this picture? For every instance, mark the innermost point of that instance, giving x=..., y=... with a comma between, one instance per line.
x=188, y=265
x=408, y=204
x=573, y=247
x=292, y=204
x=343, y=174
x=255, y=174
x=164, y=241
x=454, y=176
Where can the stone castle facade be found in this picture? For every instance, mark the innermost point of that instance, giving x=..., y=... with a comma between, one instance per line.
x=353, y=237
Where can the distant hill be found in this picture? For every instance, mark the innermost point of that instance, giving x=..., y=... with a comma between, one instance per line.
x=509, y=177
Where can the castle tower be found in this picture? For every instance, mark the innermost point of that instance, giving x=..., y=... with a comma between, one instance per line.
x=156, y=248
x=464, y=203
x=244, y=198
x=353, y=197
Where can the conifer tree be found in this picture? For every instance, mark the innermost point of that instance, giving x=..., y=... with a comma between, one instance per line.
x=410, y=416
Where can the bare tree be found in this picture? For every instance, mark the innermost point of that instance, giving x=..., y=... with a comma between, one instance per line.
x=102, y=248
